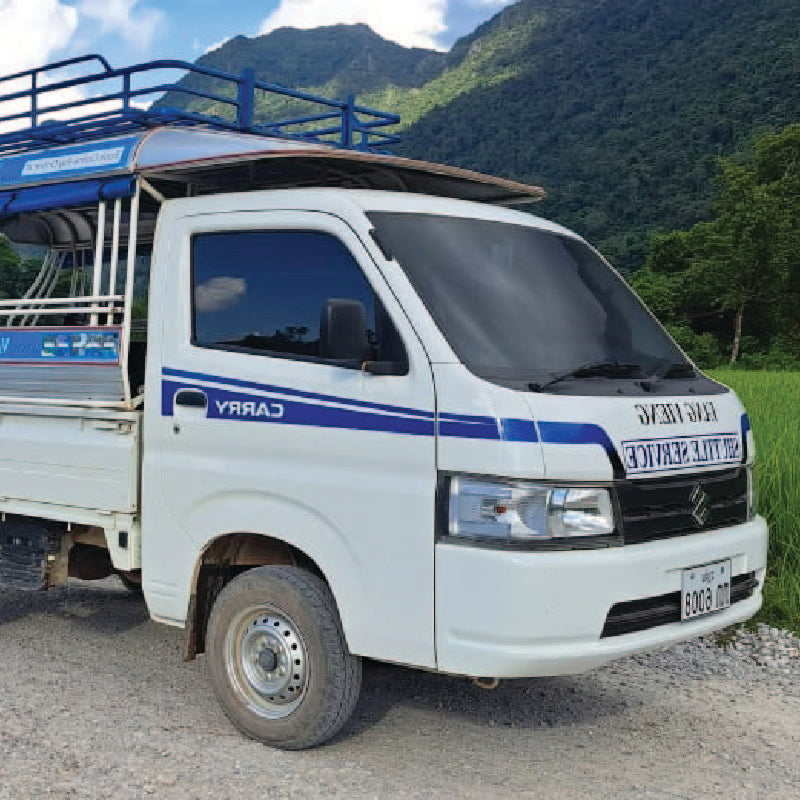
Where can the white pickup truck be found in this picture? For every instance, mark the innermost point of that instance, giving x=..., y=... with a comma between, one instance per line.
x=375, y=413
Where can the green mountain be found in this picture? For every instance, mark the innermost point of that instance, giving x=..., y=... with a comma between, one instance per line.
x=619, y=108
x=345, y=59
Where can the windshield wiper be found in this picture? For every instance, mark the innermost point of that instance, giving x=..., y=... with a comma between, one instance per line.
x=592, y=369
x=671, y=369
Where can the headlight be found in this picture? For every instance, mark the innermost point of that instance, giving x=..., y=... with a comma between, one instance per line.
x=752, y=493
x=527, y=512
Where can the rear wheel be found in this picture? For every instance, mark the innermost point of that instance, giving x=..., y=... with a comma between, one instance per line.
x=278, y=659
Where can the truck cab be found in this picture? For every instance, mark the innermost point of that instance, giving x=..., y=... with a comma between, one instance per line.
x=373, y=412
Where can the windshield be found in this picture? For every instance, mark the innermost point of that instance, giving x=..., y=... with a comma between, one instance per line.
x=528, y=308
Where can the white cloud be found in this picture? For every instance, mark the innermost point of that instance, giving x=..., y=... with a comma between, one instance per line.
x=413, y=23
x=136, y=25
x=219, y=294
x=31, y=31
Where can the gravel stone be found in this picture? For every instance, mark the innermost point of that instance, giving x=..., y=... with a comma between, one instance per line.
x=95, y=702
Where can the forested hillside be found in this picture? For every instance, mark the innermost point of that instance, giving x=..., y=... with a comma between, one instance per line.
x=619, y=108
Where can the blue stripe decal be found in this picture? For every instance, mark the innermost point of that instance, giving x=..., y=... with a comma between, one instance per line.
x=581, y=433
x=225, y=403
x=231, y=405
x=467, y=418
x=265, y=387
x=745, y=427
x=469, y=430
x=519, y=430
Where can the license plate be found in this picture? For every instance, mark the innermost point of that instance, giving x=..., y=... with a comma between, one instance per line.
x=705, y=589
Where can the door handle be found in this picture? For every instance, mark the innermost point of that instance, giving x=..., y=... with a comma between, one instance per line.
x=122, y=428
x=191, y=398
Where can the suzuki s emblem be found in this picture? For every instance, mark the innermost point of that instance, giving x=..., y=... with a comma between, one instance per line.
x=701, y=505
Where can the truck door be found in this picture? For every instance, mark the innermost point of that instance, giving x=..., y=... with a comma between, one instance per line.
x=259, y=430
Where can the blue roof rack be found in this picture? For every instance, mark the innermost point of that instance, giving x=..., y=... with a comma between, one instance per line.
x=338, y=122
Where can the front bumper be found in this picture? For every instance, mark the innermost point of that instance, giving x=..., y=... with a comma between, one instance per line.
x=522, y=614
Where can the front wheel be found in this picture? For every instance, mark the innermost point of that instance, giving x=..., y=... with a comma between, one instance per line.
x=278, y=659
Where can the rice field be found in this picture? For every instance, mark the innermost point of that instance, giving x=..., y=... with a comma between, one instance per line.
x=772, y=400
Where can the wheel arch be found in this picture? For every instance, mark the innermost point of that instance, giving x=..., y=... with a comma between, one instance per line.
x=227, y=555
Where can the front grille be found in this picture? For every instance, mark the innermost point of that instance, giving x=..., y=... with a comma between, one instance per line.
x=641, y=615
x=658, y=508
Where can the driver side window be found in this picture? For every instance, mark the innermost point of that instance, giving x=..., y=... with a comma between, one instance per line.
x=264, y=292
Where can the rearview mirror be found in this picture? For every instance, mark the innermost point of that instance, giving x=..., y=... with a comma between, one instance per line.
x=343, y=331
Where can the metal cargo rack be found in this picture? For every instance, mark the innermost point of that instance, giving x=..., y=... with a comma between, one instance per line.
x=70, y=181
x=339, y=122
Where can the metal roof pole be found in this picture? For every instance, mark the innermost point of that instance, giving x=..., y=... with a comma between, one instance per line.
x=41, y=291
x=348, y=119
x=44, y=271
x=112, y=277
x=73, y=279
x=82, y=277
x=245, y=99
x=133, y=226
x=58, y=263
x=100, y=240
x=34, y=104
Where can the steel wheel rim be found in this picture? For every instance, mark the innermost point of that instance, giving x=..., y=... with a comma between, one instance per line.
x=267, y=662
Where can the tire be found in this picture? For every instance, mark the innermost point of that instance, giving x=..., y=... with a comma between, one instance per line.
x=268, y=620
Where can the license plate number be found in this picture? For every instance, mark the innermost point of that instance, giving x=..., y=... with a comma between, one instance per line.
x=705, y=589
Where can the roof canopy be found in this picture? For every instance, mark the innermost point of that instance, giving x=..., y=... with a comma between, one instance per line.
x=179, y=162
x=212, y=160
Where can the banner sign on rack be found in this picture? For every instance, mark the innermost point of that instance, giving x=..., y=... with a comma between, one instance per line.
x=62, y=346
x=62, y=163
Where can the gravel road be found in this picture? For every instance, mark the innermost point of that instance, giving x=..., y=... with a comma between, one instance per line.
x=95, y=702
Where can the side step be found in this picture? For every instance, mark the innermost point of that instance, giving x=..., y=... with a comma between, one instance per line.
x=27, y=547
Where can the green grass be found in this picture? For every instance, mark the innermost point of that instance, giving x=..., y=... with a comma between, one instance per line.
x=772, y=400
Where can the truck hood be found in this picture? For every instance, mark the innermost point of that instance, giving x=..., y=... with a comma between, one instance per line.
x=492, y=430
x=638, y=436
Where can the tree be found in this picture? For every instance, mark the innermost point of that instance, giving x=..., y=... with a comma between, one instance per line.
x=742, y=268
x=778, y=167
x=747, y=256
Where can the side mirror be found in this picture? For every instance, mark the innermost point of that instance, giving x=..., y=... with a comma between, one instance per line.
x=343, y=331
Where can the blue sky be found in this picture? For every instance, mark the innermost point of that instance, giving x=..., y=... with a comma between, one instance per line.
x=33, y=32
